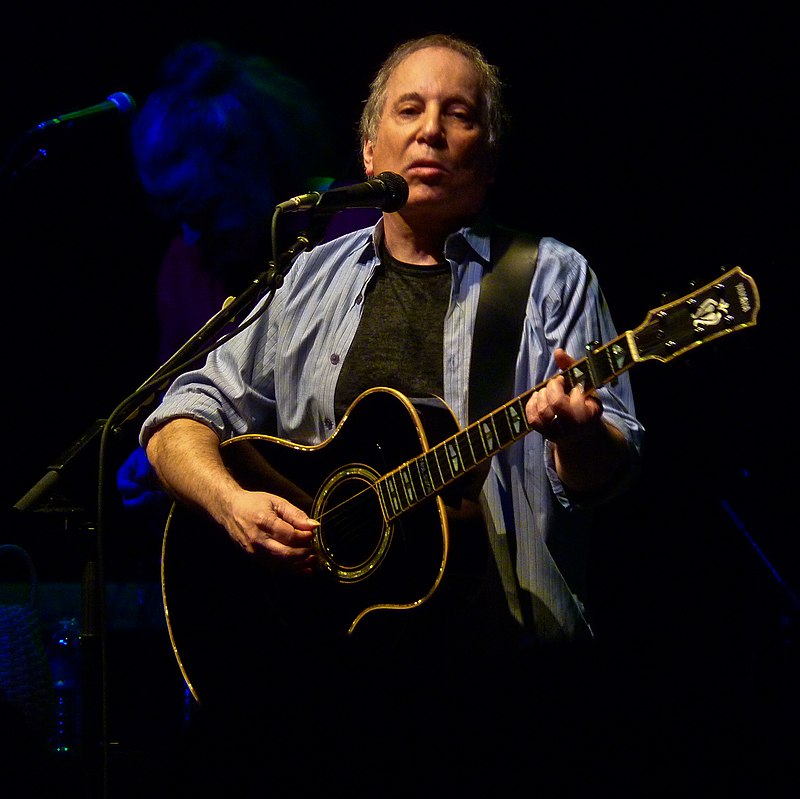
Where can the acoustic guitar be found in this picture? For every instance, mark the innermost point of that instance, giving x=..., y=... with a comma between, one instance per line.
x=379, y=487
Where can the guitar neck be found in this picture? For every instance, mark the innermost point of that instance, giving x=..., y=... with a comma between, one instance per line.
x=438, y=467
x=727, y=304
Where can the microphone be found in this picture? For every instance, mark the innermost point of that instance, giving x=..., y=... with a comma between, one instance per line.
x=117, y=103
x=388, y=191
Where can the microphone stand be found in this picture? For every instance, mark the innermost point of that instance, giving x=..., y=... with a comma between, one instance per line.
x=94, y=579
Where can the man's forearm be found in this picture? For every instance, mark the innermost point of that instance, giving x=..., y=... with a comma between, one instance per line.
x=186, y=457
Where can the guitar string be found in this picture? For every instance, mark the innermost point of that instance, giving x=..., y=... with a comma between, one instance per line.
x=475, y=435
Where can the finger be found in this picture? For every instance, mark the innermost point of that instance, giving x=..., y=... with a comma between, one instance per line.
x=563, y=359
x=304, y=565
x=540, y=411
x=292, y=515
x=584, y=405
x=554, y=392
x=283, y=539
x=554, y=429
x=294, y=560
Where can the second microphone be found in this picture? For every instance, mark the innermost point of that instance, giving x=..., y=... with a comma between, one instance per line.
x=388, y=191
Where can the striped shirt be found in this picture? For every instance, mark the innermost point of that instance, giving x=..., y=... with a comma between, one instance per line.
x=278, y=376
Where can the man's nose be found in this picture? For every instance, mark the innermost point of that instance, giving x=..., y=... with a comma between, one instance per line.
x=431, y=127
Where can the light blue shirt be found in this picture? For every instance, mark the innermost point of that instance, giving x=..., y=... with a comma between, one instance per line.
x=278, y=376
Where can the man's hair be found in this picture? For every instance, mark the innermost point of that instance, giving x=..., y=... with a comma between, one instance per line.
x=492, y=111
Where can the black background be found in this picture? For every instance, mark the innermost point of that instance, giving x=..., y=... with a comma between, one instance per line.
x=658, y=141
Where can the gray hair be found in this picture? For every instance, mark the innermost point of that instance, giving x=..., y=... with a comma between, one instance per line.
x=492, y=111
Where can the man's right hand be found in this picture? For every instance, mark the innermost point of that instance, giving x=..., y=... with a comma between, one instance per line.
x=186, y=456
x=268, y=526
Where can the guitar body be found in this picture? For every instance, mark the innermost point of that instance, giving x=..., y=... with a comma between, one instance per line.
x=224, y=607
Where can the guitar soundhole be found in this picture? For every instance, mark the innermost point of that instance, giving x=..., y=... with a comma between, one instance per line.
x=352, y=538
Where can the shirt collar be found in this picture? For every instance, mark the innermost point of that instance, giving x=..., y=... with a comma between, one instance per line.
x=471, y=240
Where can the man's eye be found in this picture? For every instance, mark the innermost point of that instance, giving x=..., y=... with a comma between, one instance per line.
x=461, y=115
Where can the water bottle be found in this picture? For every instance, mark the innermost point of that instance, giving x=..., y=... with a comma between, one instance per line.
x=65, y=654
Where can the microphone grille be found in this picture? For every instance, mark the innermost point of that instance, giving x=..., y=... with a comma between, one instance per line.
x=123, y=101
x=397, y=191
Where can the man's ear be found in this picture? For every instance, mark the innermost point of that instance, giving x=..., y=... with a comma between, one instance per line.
x=366, y=153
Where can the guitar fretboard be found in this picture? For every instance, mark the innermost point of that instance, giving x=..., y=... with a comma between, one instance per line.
x=729, y=303
x=428, y=473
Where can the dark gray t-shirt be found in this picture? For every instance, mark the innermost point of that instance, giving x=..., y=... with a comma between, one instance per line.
x=399, y=344
x=399, y=341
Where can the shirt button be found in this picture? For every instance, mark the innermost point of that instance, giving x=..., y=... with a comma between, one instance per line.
x=359, y=299
x=328, y=424
x=334, y=359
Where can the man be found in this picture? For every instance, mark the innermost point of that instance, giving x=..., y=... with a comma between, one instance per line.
x=396, y=307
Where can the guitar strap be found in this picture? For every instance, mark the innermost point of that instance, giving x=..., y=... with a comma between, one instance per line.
x=498, y=323
x=505, y=287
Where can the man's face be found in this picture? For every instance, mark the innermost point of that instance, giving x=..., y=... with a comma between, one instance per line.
x=431, y=133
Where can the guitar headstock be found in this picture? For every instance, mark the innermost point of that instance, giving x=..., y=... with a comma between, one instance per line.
x=723, y=306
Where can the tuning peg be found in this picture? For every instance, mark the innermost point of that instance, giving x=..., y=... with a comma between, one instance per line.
x=694, y=283
x=668, y=296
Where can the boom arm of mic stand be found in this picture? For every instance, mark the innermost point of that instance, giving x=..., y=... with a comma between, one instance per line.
x=41, y=492
x=145, y=394
x=269, y=280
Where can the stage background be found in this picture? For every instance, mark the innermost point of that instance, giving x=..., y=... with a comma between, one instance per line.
x=658, y=141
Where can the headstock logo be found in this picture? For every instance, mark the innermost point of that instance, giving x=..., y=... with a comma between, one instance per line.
x=709, y=313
